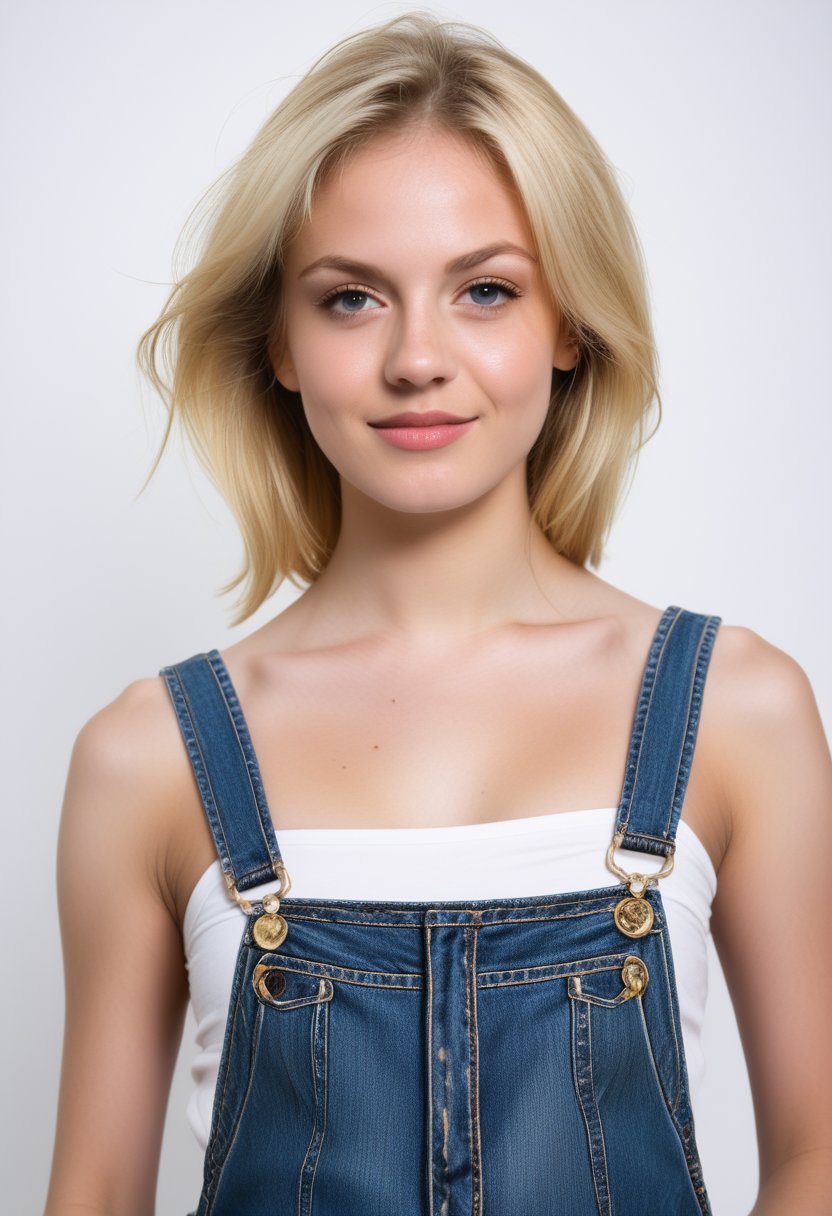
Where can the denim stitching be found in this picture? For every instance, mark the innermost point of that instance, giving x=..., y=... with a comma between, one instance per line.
x=578, y=994
x=241, y=732
x=316, y=998
x=429, y=1103
x=672, y=1001
x=474, y=1078
x=645, y=716
x=607, y=905
x=348, y=974
x=703, y=656
x=585, y=1092
x=239, y=1118
x=325, y=1088
x=695, y=1170
x=187, y=723
x=642, y=708
x=318, y=1051
x=673, y=1121
x=600, y=1129
x=683, y=761
x=332, y=970
x=239, y=973
x=606, y=962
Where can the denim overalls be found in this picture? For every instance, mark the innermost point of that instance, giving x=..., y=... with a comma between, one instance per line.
x=508, y=1057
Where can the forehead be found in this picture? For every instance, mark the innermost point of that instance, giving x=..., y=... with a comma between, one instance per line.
x=405, y=195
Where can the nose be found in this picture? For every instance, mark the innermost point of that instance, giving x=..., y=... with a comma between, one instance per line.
x=419, y=352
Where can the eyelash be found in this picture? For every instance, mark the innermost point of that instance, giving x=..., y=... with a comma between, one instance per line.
x=328, y=301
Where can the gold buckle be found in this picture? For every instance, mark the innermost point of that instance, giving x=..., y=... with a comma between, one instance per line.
x=271, y=900
x=633, y=914
x=637, y=883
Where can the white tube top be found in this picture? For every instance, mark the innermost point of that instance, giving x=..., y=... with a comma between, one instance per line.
x=539, y=855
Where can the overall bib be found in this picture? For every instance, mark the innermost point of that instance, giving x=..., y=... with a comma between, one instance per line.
x=509, y=1057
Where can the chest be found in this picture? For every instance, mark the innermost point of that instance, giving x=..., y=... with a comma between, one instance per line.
x=359, y=743
x=374, y=739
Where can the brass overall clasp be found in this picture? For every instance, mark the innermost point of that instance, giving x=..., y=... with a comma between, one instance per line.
x=270, y=929
x=633, y=914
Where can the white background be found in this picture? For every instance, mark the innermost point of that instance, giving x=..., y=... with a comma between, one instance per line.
x=116, y=117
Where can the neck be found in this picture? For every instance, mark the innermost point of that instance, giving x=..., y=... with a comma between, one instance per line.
x=440, y=577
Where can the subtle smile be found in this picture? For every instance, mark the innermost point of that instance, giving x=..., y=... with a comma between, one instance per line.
x=420, y=432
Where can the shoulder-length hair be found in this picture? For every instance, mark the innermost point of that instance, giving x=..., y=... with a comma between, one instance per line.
x=207, y=354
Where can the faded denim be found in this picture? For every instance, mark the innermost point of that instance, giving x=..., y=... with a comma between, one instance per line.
x=484, y=1058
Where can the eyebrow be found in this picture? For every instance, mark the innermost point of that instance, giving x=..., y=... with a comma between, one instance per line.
x=467, y=261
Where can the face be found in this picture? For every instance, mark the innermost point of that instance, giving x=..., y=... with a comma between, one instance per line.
x=419, y=331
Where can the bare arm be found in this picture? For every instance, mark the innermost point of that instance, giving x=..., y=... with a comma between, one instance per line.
x=125, y=979
x=773, y=913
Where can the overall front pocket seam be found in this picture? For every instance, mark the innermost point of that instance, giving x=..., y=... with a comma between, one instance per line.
x=239, y=1116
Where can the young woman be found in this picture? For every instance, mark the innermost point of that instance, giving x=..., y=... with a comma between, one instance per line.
x=434, y=850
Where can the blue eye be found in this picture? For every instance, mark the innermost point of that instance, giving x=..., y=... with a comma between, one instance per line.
x=349, y=301
x=353, y=301
x=491, y=294
x=485, y=293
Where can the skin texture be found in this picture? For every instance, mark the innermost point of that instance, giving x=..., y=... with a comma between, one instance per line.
x=486, y=677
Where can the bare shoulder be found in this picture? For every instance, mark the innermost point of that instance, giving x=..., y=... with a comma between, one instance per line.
x=127, y=731
x=765, y=726
x=132, y=746
x=128, y=774
x=756, y=689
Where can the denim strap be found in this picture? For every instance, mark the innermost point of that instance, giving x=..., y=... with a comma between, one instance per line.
x=664, y=732
x=225, y=767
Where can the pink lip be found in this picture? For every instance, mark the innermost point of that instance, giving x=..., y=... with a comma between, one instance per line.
x=413, y=418
x=419, y=432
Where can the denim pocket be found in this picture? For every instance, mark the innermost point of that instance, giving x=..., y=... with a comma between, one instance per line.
x=620, y=1093
x=280, y=1113
x=278, y=988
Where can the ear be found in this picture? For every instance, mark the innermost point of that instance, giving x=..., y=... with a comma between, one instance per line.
x=284, y=368
x=566, y=353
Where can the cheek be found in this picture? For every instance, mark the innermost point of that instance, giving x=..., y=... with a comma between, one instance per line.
x=333, y=393
x=329, y=362
x=518, y=368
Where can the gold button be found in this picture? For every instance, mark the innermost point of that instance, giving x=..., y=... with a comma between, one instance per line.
x=633, y=916
x=270, y=930
x=635, y=975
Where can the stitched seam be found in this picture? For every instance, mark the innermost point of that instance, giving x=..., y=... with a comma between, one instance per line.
x=646, y=718
x=243, y=737
x=227, y=1062
x=683, y=746
x=315, y=967
x=645, y=700
x=317, y=1046
x=603, y=1002
x=657, y=1079
x=301, y=1204
x=198, y=760
x=607, y=1194
x=637, y=835
x=672, y=1025
x=703, y=654
x=473, y=1057
x=296, y=907
x=227, y=1154
x=608, y=905
x=325, y=1087
x=607, y=962
x=429, y=974
x=579, y=1015
x=298, y=1002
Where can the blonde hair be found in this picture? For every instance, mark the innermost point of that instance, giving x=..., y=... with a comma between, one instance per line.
x=207, y=354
